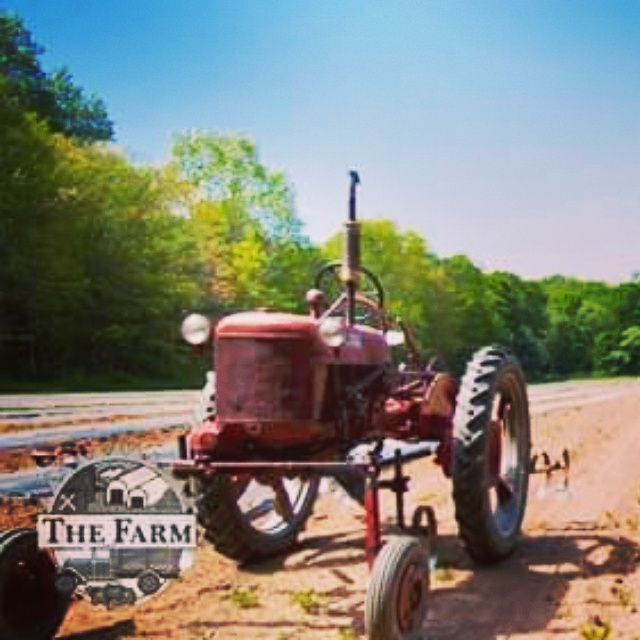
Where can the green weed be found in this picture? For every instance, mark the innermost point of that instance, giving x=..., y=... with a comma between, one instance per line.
x=243, y=597
x=624, y=595
x=444, y=569
x=597, y=630
x=443, y=574
x=308, y=600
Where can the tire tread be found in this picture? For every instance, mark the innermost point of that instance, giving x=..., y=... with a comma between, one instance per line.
x=471, y=423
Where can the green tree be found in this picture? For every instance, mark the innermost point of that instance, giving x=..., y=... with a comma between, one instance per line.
x=569, y=340
x=565, y=346
x=476, y=313
x=522, y=307
x=627, y=303
x=54, y=98
x=132, y=267
x=624, y=358
x=243, y=217
x=27, y=185
x=227, y=168
x=97, y=268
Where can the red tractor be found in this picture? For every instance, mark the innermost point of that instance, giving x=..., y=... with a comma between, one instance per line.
x=298, y=397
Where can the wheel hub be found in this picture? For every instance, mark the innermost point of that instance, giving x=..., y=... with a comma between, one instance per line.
x=410, y=597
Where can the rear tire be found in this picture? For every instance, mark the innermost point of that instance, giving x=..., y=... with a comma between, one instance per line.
x=397, y=599
x=491, y=454
x=248, y=532
x=31, y=607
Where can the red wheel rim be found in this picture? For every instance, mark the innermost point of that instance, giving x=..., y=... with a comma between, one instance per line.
x=411, y=595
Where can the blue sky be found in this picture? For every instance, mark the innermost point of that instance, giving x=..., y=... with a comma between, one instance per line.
x=505, y=130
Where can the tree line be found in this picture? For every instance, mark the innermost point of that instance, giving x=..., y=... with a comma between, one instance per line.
x=100, y=258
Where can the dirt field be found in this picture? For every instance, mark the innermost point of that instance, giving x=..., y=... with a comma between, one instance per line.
x=576, y=569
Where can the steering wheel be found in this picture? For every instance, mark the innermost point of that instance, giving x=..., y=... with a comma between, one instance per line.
x=328, y=281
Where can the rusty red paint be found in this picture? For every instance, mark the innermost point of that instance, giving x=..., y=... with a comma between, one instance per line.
x=372, y=536
x=267, y=324
x=362, y=346
x=264, y=380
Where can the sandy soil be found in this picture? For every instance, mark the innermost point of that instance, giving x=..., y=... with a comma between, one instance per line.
x=577, y=564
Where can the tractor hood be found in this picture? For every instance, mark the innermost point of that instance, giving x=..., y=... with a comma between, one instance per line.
x=361, y=345
x=267, y=324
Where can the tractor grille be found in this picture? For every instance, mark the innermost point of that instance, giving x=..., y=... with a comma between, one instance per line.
x=263, y=380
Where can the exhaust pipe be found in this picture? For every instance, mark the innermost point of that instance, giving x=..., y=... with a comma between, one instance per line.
x=351, y=266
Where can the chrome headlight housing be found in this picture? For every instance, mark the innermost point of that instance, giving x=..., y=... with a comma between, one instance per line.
x=394, y=338
x=196, y=329
x=333, y=331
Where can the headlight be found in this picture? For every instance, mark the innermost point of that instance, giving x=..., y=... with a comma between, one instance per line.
x=394, y=338
x=333, y=331
x=196, y=329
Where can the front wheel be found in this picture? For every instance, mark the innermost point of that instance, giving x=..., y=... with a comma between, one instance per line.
x=491, y=454
x=248, y=520
x=397, y=598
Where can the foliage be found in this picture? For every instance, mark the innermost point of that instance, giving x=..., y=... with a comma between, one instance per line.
x=591, y=327
x=100, y=257
x=86, y=240
x=53, y=98
x=452, y=305
x=242, y=215
x=227, y=169
x=522, y=307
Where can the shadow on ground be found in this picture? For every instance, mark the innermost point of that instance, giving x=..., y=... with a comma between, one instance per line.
x=520, y=595
x=116, y=631
x=523, y=594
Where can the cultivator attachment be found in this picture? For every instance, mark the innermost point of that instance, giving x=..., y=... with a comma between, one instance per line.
x=542, y=463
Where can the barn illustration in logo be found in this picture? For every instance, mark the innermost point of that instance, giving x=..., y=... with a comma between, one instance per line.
x=118, y=530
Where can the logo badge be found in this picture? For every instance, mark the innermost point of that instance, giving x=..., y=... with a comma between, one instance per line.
x=118, y=530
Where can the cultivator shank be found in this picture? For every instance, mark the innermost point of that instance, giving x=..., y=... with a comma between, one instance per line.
x=541, y=463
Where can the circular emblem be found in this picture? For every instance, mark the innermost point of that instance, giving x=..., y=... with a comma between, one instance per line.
x=118, y=530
